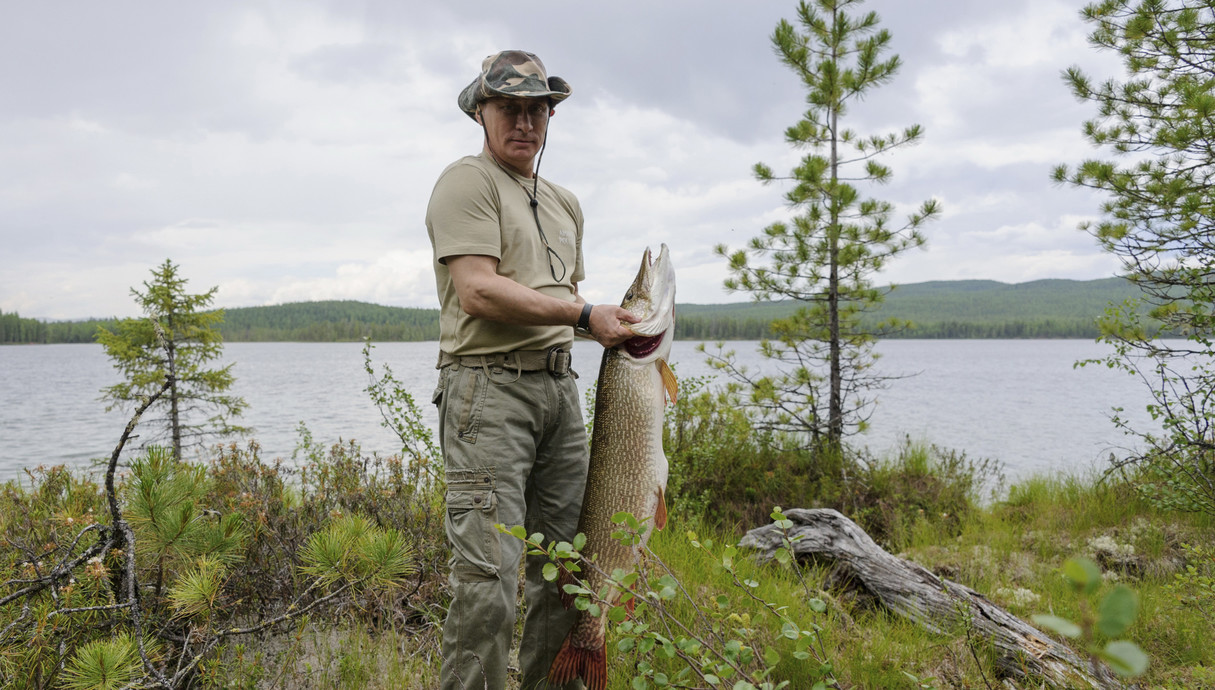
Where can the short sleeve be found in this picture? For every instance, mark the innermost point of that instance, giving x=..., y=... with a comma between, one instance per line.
x=579, y=267
x=464, y=214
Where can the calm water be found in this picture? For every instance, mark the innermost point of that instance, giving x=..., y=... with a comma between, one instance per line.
x=1018, y=401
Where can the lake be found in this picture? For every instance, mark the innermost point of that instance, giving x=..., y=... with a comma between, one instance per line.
x=1017, y=401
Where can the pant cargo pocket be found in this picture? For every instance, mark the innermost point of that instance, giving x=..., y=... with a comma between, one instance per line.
x=472, y=512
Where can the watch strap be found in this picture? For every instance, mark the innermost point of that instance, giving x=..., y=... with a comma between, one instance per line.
x=584, y=319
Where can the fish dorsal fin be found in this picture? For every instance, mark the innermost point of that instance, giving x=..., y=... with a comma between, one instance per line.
x=668, y=380
x=660, y=513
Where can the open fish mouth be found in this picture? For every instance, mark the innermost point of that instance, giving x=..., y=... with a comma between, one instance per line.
x=652, y=298
x=643, y=346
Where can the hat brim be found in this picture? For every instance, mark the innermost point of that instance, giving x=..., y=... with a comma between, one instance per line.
x=479, y=91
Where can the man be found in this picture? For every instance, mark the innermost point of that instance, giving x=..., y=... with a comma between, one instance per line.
x=508, y=260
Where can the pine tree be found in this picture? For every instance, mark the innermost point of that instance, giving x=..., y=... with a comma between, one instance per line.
x=177, y=339
x=1160, y=222
x=825, y=257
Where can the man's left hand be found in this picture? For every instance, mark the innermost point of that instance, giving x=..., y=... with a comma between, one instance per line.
x=607, y=324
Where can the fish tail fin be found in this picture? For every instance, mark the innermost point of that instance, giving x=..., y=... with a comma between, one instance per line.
x=577, y=662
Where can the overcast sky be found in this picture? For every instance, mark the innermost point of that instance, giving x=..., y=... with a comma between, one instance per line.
x=285, y=151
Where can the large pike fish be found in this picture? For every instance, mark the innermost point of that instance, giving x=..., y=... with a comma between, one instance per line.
x=628, y=470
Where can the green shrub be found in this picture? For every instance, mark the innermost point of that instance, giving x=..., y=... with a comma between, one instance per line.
x=197, y=555
x=722, y=468
x=922, y=483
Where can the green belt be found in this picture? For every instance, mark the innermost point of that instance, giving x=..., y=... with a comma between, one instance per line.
x=555, y=360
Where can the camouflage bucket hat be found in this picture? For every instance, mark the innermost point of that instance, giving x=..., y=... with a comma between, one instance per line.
x=513, y=73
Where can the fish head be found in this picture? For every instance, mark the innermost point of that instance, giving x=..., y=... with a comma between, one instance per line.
x=651, y=298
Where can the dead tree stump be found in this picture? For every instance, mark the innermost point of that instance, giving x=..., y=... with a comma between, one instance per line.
x=940, y=605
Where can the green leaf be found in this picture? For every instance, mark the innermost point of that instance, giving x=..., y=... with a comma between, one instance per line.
x=771, y=656
x=818, y=605
x=1083, y=573
x=1117, y=611
x=575, y=590
x=550, y=572
x=1126, y=658
x=1059, y=625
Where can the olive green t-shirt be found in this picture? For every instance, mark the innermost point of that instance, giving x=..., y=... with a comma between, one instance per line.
x=477, y=207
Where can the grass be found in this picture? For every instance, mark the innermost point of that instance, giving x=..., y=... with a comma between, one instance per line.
x=1011, y=550
x=323, y=655
x=921, y=505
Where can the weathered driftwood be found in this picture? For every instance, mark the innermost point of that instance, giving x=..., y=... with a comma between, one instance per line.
x=939, y=605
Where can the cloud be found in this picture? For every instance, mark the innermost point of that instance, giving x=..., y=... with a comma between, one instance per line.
x=1017, y=36
x=288, y=151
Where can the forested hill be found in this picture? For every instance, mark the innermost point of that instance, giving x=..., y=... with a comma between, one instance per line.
x=940, y=309
x=329, y=321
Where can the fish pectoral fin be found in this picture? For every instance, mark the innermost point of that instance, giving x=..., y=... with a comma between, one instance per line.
x=660, y=513
x=668, y=380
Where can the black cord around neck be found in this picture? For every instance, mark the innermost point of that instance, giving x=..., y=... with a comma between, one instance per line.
x=533, y=198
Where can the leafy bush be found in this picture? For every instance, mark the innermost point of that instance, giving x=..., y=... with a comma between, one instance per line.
x=150, y=580
x=664, y=635
x=1195, y=586
x=923, y=482
x=724, y=470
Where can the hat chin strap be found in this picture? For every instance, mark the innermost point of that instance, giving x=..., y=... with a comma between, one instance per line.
x=494, y=154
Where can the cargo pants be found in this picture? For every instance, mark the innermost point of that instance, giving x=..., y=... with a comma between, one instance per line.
x=515, y=452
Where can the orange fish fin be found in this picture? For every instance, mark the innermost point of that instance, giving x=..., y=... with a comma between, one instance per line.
x=668, y=380
x=660, y=513
x=576, y=662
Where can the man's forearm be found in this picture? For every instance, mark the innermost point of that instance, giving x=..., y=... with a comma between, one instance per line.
x=497, y=298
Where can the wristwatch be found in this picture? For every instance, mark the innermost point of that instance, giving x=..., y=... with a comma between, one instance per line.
x=584, y=319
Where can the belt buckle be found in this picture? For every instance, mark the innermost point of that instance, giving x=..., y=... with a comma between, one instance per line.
x=557, y=361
